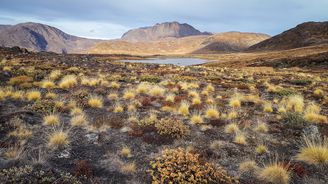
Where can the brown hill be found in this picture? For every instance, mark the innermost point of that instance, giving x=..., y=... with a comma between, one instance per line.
x=306, y=34
x=162, y=30
x=40, y=37
x=217, y=43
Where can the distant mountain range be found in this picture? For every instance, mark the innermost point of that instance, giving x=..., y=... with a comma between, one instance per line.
x=40, y=37
x=164, y=38
x=163, y=30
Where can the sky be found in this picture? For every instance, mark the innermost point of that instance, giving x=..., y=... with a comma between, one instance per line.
x=109, y=19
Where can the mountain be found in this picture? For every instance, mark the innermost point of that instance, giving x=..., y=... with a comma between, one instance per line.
x=162, y=30
x=199, y=44
x=230, y=42
x=40, y=37
x=305, y=34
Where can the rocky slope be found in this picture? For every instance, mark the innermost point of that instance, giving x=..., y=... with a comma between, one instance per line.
x=163, y=30
x=40, y=37
x=305, y=34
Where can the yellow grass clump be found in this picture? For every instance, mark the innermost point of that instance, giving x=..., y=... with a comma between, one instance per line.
x=261, y=149
x=143, y=87
x=248, y=166
x=96, y=101
x=184, y=108
x=240, y=138
x=51, y=120
x=112, y=96
x=274, y=173
x=231, y=128
x=211, y=112
x=235, y=102
x=318, y=93
x=126, y=152
x=78, y=120
x=58, y=138
x=267, y=107
x=54, y=75
x=295, y=103
x=115, y=85
x=196, y=101
x=129, y=94
x=68, y=81
x=262, y=128
x=314, y=150
x=118, y=108
x=170, y=97
x=47, y=84
x=51, y=95
x=196, y=118
x=33, y=95
x=156, y=91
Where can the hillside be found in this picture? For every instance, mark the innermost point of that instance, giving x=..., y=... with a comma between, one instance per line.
x=305, y=34
x=162, y=30
x=217, y=43
x=40, y=37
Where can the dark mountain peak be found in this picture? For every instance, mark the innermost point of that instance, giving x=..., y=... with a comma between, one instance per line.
x=305, y=34
x=162, y=30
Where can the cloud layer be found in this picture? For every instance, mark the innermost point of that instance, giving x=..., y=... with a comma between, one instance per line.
x=111, y=18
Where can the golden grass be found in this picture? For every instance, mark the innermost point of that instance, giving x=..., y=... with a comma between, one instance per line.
x=274, y=173
x=314, y=151
x=112, y=96
x=196, y=118
x=156, y=91
x=58, y=139
x=211, y=112
x=170, y=97
x=184, y=108
x=47, y=84
x=248, y=166
x=261, y=149
x=231, y=128
x=240, y=138
x=126, y=152
x=95, y=101
x=295, y=103
x=33, y=95
x=129, y=94
x=68, y=81
x=118, y=108
x=79, y=120
x=55, y=74
x=262, y=128
x=51, y=120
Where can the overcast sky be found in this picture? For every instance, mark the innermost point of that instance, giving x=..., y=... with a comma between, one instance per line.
x=111, y=18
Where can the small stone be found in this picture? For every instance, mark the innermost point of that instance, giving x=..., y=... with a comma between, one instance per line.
x=64, y=154
x=93, y=137
x=311, y=131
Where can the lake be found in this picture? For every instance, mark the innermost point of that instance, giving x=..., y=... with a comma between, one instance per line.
x=174, y=61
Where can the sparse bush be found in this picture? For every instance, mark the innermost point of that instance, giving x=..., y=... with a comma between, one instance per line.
x=55, y=74
x=47, y=84
x=295, y=103
x=248, y=166
x=129, y=94
x=261, y=149
x=156, y=91
x=78, y=120
x=126, y=152
x=240, y=138
x=150, y=78
x=186, y=167
x=172, y=127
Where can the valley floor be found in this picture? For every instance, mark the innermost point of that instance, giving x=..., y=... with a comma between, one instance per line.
x=92, y=119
